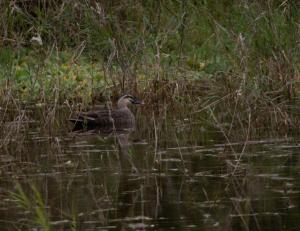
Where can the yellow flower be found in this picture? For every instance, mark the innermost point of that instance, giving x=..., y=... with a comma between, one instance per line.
x=201, y=65
x=83, y=82
x=64, y=66
x=142, y=76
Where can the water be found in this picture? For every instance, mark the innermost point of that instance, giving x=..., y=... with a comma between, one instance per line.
x=175, y=178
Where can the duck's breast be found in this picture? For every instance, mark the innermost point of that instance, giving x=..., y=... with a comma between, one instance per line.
x=123, y=117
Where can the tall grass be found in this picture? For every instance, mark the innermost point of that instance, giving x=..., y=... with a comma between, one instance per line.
x=245, y=51
x=34, y=205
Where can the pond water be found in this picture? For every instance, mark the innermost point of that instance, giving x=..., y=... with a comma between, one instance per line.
x=183, y=176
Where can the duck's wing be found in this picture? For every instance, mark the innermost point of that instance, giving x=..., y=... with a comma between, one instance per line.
x=116, y=119
x=96, y=115
x=92, y=119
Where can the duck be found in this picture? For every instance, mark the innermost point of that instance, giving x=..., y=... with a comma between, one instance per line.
x=109, y=119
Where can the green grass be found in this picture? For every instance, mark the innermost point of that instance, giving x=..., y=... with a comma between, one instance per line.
x=89, y=49
x=35, y=205
x=34, y=78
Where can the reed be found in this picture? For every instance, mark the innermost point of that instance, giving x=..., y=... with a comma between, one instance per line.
x=34, y=205
x=185, y=53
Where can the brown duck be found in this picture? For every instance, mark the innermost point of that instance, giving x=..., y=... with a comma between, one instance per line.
x=107, y=119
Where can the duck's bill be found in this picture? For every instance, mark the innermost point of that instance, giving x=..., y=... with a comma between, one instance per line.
x=137, y=101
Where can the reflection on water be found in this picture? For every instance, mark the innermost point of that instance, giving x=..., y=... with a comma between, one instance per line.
x=118, y=181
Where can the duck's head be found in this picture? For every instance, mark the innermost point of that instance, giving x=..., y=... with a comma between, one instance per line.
x=126, y=100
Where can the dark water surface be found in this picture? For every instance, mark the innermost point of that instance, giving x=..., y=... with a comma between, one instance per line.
x=157, y=178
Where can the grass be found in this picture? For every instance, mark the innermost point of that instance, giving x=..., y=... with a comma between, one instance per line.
x=34, y=205
x=183, y=53
x=36, y=80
